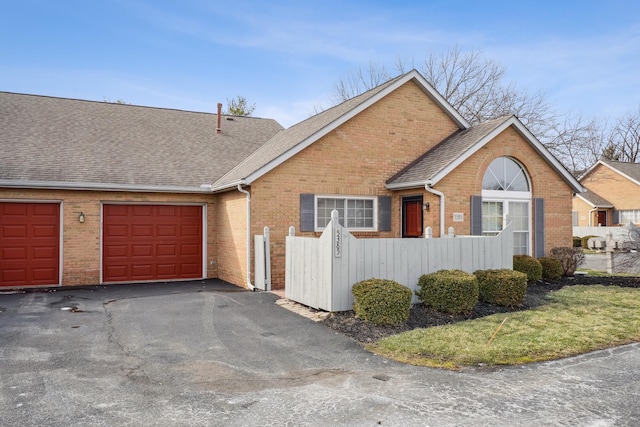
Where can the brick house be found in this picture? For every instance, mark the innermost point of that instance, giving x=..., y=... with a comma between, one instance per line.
x=611, y=197
x=94, y=192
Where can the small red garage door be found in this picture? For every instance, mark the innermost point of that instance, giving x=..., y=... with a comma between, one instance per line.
x=29, y=244
x=151, y=242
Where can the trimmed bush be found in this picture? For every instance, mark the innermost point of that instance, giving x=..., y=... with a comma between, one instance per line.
x=529, y=266
x=570, y=259
x=383, y=302
x=449, y=291
x=502, y=287
x=584, y=241
x=551, y=268
x=577, y=242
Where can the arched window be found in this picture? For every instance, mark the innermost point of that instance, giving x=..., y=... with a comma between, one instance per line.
x=506, y=192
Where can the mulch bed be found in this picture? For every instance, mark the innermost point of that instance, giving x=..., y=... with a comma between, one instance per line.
x=425, y=317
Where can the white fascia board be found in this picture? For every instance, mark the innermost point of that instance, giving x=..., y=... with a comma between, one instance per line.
x=230, y=186
x=61, y=185
x=413, y=75
x=407, y=185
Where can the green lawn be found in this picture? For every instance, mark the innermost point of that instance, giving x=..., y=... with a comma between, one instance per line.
x=577, y=319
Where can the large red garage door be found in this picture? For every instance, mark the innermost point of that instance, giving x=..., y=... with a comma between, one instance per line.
x=151, y=242
x=29, y=244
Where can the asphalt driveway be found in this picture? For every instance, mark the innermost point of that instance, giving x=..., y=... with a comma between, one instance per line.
x=208, y=353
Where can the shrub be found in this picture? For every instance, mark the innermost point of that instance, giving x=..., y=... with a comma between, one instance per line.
x=584, y=241
x=502, y=287
x=570, y=259
x=529, y=266
x=551, y=268
x=383, y=302
x=449, y=291
x=577, y=242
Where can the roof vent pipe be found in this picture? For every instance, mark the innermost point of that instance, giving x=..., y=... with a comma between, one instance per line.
x=219, y=127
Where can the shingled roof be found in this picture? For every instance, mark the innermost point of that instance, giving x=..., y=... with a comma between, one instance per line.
x=442, y=159
x=595, y=200
x=291, y=141
x=69, y=143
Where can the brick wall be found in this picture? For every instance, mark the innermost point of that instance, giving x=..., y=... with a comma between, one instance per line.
x=546, y=183
x=231, y=238
x=81, y=242
x=618, y=190
x=355, y=159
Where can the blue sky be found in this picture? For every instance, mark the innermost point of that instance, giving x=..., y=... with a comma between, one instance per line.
x=286, y=56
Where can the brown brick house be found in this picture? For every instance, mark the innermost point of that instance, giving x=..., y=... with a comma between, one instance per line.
x=612, y=196
x=94, y=192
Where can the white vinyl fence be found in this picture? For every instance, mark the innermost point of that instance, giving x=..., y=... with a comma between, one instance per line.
x=321, y=271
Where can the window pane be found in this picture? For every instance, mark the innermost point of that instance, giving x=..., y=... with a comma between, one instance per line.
x=520, y=243
x=491, y=216
x=325, y=206
x=353, y=213
x=505, y=174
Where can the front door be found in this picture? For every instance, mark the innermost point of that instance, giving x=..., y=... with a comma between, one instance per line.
x=602, y=218
x=412, y=216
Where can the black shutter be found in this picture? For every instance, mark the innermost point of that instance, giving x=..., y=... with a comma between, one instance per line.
x=384, y=213
x=616, y=217
x=538, y=227
x=307, y=212
x=476, y=216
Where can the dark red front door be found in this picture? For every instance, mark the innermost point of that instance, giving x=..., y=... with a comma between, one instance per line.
x=29, y=244
x=602, y=218
x=412, y=217
x=151, y=242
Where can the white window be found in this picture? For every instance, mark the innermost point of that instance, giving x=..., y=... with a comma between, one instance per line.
x=506, y=193
x=354, y=213
x=629, y=216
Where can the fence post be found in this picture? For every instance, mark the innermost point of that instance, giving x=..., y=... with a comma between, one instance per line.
x=292, y=231
x=267, y=259
x=451, y=232
x=428, y=233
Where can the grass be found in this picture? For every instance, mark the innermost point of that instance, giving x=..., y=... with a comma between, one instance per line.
x=577, y=319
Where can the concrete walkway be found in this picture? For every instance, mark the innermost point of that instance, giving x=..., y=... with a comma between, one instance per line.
x=209, y=354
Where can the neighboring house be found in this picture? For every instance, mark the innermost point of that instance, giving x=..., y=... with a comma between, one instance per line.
x=103, y=193
x=612, y=196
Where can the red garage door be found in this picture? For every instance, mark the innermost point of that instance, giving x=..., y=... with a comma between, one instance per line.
x=151, y=242
x=29, y=244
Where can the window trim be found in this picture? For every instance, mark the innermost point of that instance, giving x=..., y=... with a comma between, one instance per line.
x=374, y=199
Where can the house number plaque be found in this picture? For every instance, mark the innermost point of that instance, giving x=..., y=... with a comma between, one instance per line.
x=337, y=243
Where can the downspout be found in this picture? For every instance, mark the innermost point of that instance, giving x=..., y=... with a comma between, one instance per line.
x=242, y=190
x=440, y=194
x=591, y=214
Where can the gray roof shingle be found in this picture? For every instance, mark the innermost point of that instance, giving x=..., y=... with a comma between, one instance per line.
x=632, y=170
x=442, y=155
x=288, y=139
x=46, y=139
x=595, y=199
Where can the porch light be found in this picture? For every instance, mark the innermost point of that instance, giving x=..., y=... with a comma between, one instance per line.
x=81, y=218
x=425, y=206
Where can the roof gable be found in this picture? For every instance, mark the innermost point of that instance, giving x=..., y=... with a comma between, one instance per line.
x=442, y=159
x=293, y=140
x=630, y=171
x=69, y=143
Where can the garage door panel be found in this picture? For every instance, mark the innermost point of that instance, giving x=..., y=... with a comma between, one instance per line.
x=14, y=231
x=29, y=243
x=156, y=247
x=13, y=254
x=116, y=230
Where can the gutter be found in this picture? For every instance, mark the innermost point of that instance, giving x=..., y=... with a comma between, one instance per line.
x=242, y=190
x=62, y=185
x=440, y=194
x=591, y=216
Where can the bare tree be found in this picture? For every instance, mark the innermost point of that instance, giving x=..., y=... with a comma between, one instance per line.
x=624, y=140
x=473, y=85
x=577, y=143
